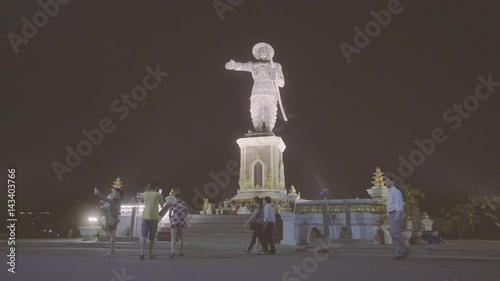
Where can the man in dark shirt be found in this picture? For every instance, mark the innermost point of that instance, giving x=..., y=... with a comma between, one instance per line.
x=114, y=199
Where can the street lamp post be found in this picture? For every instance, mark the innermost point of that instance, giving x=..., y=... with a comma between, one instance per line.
x=138, y=197
x=325, y=192
x=348, y=218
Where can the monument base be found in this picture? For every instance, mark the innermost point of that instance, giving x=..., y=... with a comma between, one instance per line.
x=248, y=195
x=278, y=197
x=262, y=169
x=253, y=135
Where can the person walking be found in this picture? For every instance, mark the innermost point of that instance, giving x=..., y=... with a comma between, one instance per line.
x=178, y=216
x=257, y=225
x=269, y=222
x=149, y=226
x=395, y=213
x=113, y=218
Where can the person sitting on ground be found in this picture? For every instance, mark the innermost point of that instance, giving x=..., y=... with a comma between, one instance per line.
x=243, y=210
x=234, y=208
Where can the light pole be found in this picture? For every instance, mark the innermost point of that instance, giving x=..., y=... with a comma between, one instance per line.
x=325, y=192
x=348, y=218
x=138, y=198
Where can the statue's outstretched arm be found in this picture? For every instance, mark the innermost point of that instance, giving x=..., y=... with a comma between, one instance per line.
x=243, y=66
x=239, y=66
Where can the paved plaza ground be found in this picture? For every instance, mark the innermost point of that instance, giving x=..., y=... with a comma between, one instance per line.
x=87, y=264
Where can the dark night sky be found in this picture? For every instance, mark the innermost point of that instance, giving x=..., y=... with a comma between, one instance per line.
x=348, y=118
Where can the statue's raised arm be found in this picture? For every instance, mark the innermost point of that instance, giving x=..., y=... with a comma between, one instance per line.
x=268, y=76
x=230, y=65
x=239, y=66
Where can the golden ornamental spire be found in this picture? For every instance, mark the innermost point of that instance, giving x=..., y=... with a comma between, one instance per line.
x=378, y=179
x=117, y=183
x=293, y=190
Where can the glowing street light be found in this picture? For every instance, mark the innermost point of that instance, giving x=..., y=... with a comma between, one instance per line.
x=92, y=220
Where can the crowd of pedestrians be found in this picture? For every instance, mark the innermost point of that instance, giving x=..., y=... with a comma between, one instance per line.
x=262, y=221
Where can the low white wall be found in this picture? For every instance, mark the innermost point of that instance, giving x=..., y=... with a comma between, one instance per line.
x=297, y=227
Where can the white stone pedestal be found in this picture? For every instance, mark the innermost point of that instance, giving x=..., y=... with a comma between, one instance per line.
x=261, y=168
x=379, y=193
x=89, y=232
x=288, y=229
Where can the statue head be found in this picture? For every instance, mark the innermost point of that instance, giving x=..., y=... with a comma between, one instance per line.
x=263, y=51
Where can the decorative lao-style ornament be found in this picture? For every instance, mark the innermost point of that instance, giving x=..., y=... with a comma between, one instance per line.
x=378, y=179
x=378, y=190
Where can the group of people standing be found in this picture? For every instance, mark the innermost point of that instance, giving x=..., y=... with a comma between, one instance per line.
x=150, y=216
x=153, y=199
x=262, y=223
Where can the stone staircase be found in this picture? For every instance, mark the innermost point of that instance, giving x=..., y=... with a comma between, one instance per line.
x=216, y=231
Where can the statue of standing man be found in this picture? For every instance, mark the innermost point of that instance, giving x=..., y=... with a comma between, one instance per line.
x=267, y=76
